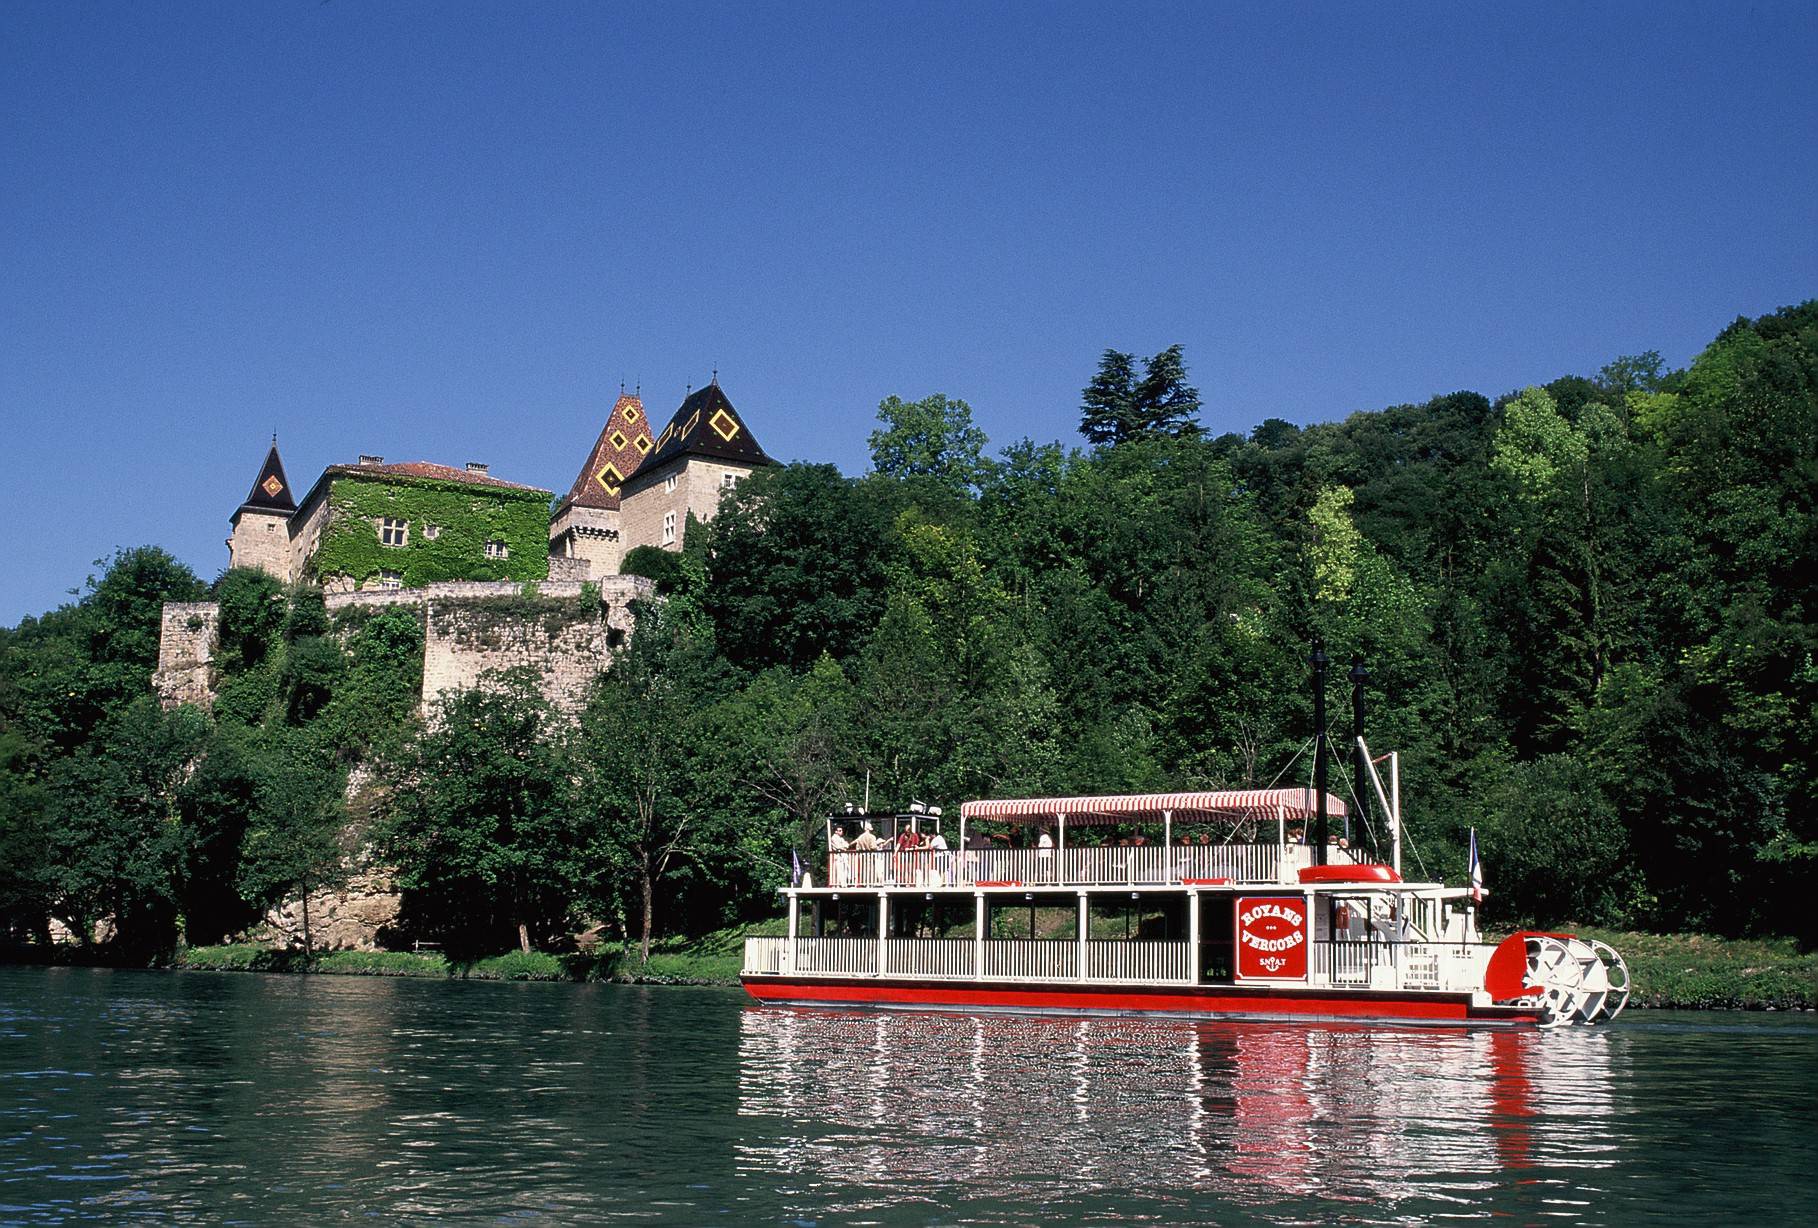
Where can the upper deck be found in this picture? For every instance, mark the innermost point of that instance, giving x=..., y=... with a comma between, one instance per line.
x=1099, y=865
x=1143, y=840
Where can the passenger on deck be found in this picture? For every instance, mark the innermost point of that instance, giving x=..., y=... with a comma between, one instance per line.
x=943, y=860
x=867, y=845
x=839, y=857
x=1044, y=857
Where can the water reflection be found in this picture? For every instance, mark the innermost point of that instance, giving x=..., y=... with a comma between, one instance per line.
x=1162, y=1118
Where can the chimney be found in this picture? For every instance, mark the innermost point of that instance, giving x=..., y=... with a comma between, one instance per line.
x=371, y=460
x=476, y=467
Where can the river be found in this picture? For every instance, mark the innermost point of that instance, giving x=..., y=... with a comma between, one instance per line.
x=149, y=1097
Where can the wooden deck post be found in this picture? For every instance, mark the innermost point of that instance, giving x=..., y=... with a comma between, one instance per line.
x=1193, y=937
x=883, y=932
x=1084, y=914
x=978, y=934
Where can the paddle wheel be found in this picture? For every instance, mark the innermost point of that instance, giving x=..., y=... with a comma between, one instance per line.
x=1571, y=979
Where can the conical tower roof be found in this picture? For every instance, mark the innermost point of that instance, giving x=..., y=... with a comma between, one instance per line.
x=271, y=489
x=707, y=425
x=623, y=444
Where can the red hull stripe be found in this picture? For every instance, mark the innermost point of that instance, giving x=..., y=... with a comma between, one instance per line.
x=1134, y=1000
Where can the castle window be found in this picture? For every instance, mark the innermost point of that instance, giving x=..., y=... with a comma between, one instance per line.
x=497, y=550
x=391, y=580
x=728, y=481
x=393, y=532
x=669, y=527
x=431, y=532
x=669, y=484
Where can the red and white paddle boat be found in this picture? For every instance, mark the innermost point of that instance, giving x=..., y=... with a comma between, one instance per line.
x=1234, y=904
x=1189, y=904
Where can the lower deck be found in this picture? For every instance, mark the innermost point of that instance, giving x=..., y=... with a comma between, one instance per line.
x=1247, y=938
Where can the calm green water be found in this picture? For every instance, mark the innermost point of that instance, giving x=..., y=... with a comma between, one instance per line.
x=210, y=1098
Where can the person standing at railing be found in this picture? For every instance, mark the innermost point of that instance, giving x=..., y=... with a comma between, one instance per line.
x=943, y=859
x=839, y=858
x=1044, y=857
x=866, y=848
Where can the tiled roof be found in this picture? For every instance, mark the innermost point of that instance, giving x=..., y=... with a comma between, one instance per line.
x=429, y=469
x=623, y=444
x=271, y=489
x=707, y=425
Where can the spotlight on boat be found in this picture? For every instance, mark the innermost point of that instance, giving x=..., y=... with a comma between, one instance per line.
x=935, y=811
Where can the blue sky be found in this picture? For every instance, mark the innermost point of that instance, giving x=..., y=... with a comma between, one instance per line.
x=447, y=231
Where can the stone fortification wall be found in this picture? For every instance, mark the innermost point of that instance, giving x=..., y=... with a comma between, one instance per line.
x=471, y=627
x=466, y=639
x=186, y=651
x=354, y=917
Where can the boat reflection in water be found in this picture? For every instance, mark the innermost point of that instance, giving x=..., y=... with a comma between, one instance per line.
x=1145, y=1118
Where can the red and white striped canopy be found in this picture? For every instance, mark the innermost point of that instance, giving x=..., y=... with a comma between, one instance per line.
x=1298, y=804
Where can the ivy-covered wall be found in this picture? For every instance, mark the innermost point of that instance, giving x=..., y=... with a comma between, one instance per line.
x=466, y=518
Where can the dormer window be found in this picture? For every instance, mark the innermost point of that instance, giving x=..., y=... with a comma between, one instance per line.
x=394, y=532
x=497, y=550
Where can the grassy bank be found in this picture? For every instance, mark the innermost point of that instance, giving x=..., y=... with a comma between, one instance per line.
x=1700, y=972
x=713, y=959
x=1670, y=971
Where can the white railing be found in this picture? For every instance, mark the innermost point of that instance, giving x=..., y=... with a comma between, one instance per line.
x=947, y=958
x=1034, y=959
x=766, y=954
x=1085, y=865
x=1400, y=965
x=1137, y=961
x=844, y=956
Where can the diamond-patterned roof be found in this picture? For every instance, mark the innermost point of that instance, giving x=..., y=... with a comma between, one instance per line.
x=271, y=489
x=623, y=444
x=708, y=425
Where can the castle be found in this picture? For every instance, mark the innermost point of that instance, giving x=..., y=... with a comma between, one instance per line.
x=372, y=525
x=445, y=539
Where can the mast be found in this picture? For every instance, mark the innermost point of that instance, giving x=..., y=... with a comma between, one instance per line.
x=1319, y=661
x=1360, y=784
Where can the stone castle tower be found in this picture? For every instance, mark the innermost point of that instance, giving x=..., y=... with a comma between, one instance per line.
x=261, y=524
x=705, y=451
x=586, y=522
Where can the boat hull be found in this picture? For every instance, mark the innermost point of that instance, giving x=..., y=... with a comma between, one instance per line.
x=1415, y=1009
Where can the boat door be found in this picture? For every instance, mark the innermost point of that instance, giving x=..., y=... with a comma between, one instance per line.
x=1217, y=939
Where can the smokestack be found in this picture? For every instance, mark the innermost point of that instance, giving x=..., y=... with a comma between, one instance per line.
x=1360, y=771
x=1319, y=661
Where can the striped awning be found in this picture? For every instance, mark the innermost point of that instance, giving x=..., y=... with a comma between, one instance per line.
x=1298, y=804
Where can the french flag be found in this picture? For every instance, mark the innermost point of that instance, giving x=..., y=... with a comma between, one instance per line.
x=1477, y=891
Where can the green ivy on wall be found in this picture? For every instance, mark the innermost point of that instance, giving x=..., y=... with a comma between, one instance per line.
x=466, y=517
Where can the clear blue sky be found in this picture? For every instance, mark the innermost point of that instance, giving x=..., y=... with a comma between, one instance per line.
x=446, y=232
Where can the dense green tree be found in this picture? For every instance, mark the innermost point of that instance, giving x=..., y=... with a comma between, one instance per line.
x=932, y=439
x=795, y=566
x=479, y=819
x=651, y=761
x=293, y=843
x=117, y=835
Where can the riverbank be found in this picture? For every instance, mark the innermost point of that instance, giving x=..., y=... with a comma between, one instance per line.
x=1670, y=971
x=710, y=960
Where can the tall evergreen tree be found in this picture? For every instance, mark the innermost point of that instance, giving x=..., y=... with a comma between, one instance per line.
x=1108, y=403
x=1117, y=407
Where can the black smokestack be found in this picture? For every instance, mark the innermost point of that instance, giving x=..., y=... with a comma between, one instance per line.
x=1360, y=771
x=1319, y=660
